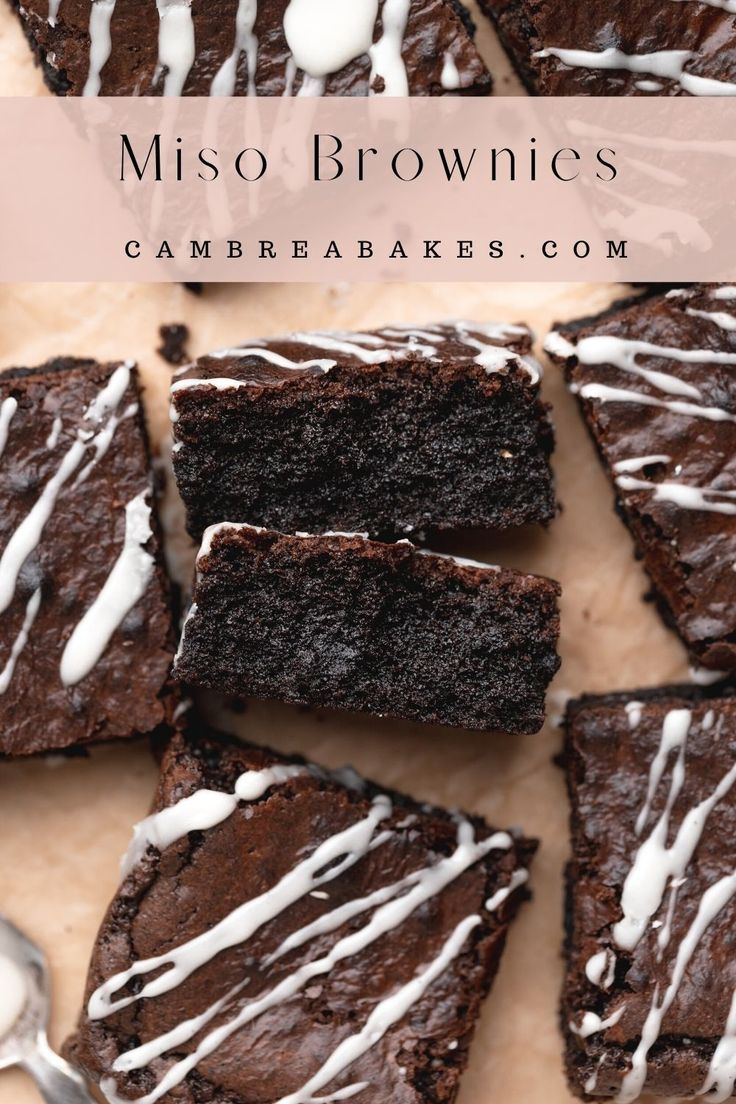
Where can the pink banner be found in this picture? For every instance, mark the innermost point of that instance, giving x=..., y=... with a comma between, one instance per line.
x=253, y=189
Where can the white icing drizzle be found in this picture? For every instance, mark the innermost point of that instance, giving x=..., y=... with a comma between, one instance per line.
x=633, y=712
x=726, y=292
x=201, y=810
x=343, y=849
x=353, y=345
x=649, y=86
x=636, y=463
x=28, y=534
x=592, y=1024
x=725, y=5
x=13, y=994
x=246, y=43
x=385, y=55
x=720, y=1081
x=622, y=353
x=604, y=394
x=386, y=1013
x=519, y=878
x=8, y=408
x=591, y=1083
x=103, y=440
x=100, y=43
x=53, y=15
x=715, y=898
x=600, y=969
x=450, y=78
x=325, y=35
x=722, y=319
x=704, y=676
x=53, y=438
x=176, y=46
x=681, y=494
x=21, y=640
x=667, y=64
x=393, y=905
x=124, y=587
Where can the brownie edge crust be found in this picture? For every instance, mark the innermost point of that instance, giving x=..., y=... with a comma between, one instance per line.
x=344, y=937
x=648, y=1000
x=342, y=622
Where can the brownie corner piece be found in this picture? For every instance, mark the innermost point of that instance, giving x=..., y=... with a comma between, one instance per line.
x=132, y=49
x=86, y=641
x=390, y=432
x=339, y=621
x=650, y=985
x=656, y=383
x=323, y=938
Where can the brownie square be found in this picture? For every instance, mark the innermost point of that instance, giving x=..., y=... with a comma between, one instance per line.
x=85, y=648
x=656, y=383
x=386, y=432
x=343, y=622
x=323, y=937
x=269, y=48
x=619, y=49
x=648, y=1003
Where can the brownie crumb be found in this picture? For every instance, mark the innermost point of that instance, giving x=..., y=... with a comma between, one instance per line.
x=173, y=347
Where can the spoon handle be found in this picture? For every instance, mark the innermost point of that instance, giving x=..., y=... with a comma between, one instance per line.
x=57, y=1081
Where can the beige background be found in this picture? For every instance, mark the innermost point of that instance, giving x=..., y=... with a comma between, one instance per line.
x=19, y=76
x=65, y=823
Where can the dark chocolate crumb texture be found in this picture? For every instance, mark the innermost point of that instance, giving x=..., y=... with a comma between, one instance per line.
x=615, y=48
x=387, y=432
x=343, y=622
x=287, y=934
x=649, y=1001
x=86, y=629
x=656, y=384
x=254, y=47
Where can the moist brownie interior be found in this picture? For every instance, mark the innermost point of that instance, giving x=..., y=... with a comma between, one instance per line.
x=272, y=48
x=338, y=936
x=656, y=383
x=648, y=1001
x=387, y=432
x=343, y=622
x=86, y=622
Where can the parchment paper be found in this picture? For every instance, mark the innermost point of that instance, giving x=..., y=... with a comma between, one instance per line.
x=65, y=823
x=20, y=77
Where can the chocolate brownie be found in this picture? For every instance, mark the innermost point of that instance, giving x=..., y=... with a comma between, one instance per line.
x=656, y=383
x=649, y=1001
x=323, y=937
x=343, y=622
x=616, y=49
x=85, y=648
x=387, y=432
x=242, y=47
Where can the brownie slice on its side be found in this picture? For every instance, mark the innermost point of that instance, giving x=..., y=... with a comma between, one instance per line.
x=343, y=622
x=321, y=937
x=386, y=432
x=86, y=635
x=269, y=48
x=615, y=49
x=656, y=383
x=650, y=990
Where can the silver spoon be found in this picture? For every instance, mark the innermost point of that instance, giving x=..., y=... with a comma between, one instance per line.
x=25, y=1044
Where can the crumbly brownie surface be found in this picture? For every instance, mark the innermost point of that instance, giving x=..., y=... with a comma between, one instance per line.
x=227, y=47
x=334, y=933
x=387, y=432
x=343, y=622
x=85, y=647
x=648, y=1001
x=656, y=384
x=604, y=49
